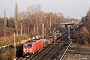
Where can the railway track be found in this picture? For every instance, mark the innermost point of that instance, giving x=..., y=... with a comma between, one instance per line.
x=50, y=52
x=45, y=52
x=50, y=55
x=33, y=55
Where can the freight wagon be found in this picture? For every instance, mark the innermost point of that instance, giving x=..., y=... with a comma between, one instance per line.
x=50, y=39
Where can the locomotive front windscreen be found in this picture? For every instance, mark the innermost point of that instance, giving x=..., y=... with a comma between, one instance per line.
x=27, y=45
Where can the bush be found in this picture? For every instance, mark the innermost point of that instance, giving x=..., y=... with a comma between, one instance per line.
x=81, y=35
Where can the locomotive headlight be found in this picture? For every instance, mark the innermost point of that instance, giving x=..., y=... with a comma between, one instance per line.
x=24, y=49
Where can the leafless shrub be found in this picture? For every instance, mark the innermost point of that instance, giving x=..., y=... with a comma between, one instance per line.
x=82, y=35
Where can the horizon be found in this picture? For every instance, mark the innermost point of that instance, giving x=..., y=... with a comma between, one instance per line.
x=69, y=8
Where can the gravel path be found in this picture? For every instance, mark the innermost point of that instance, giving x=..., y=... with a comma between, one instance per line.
x=77, y=52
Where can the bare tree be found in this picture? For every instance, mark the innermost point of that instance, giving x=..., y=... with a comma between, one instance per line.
x=5, y=22
x=16, y=18
x=22, y=15
x=5, y=19
x=87, y=22
x=33, y=13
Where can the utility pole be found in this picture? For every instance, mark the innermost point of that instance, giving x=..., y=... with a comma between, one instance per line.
x=37, y=28
x=42, y=30
x=21, y=29
x=14, y=47
x=68, y=32
x=50, y=24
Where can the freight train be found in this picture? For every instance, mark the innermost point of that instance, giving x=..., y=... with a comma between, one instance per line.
x=30, y=47
x=59, y=34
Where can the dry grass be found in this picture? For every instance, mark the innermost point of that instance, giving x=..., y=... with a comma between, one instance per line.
x=7, y=55
x=77, y=54
x=10, y=39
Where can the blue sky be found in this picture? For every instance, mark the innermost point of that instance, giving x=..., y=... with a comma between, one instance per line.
x=71, y=8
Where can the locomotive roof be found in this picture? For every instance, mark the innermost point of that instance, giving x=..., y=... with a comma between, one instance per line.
x=43, y=40
x=35, y=40
x=30, y=41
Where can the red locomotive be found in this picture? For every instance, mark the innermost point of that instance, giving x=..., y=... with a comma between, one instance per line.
x=33, y=46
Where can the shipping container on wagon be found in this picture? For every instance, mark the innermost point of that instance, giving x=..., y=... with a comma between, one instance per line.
x=44, y=42
x=50, y=39
x=57, y=35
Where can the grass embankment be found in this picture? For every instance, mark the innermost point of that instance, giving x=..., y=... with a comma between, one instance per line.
x=9, y=53
x=10, y=39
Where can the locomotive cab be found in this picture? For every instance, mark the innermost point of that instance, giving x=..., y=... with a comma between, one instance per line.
x=27, y=48
x=32, y=46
